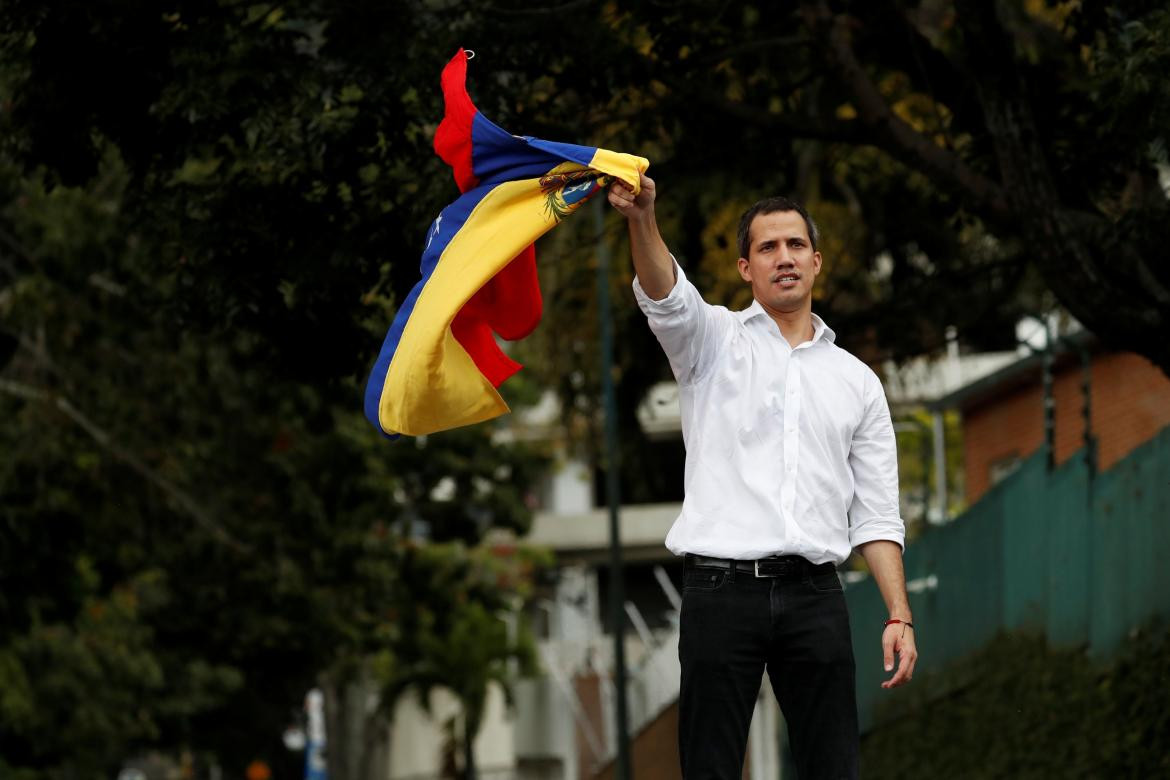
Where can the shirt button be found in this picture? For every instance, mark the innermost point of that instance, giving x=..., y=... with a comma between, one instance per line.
x=791, y=466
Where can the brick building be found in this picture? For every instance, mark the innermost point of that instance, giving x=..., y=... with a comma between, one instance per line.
x=1004, y=420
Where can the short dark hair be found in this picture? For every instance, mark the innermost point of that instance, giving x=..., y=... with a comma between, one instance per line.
x=770, y=206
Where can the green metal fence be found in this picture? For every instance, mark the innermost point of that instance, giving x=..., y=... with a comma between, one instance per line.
x=1082, y=559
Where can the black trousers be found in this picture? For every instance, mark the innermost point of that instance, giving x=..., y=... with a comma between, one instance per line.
x=733, y=626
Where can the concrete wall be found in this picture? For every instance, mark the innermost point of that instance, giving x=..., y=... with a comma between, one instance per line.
x=416, y=738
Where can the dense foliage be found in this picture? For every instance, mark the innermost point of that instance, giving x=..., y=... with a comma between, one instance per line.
x=191, y=537
x=200, y=230
x=1022, y=709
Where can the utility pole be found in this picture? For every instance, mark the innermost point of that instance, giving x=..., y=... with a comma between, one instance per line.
x=940, y=464
x=617, y=596
x=1087, y=410
x=1049, y=359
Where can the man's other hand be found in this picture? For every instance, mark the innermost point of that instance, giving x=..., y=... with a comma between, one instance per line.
x=635, y=207
x=898, y=638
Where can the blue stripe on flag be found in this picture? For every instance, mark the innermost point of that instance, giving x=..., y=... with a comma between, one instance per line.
x=439, y=235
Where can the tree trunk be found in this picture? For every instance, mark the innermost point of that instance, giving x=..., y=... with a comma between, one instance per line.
x=355, y=742
x=373, y=764
x=1107, y=277
x=334, y=727
x=470, y=727
x=1098, y=274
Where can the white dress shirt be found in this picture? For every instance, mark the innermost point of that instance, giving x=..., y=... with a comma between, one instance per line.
x=789, y=451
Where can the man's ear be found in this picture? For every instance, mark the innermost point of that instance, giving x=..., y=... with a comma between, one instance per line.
x=816, y=263
x=742, y=264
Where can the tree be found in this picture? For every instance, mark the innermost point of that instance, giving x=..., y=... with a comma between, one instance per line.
x=1034, y=124
x=190, y=542
x=459, y=638
x=196, y=267
x=441, y=621
x=970, y=162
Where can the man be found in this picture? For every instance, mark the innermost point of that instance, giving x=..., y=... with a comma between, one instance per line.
x=790, y=465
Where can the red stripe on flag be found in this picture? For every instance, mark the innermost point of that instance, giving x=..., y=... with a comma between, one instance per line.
x=510, y=305
x=453, y=138
x=515, y=297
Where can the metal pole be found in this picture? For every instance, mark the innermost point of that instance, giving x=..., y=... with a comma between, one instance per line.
x=1087, y=411
x=940, y=465
x=925, y=442
x=617, y=598
x=919, y=428
x=1049, y=400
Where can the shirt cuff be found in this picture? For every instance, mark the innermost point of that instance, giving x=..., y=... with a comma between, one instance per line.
x=878, y=530
x=673, y=300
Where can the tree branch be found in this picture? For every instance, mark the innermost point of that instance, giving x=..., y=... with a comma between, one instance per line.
x=555, y=10
x=1084, y=261
x=818, y=128
x=741, y=47
x=895, y=135
x=19, y=250
x=184, y=500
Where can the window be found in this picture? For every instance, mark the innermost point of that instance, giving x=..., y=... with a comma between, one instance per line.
x=1002, y=468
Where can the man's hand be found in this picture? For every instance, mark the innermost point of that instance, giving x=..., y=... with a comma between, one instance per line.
x=899, y=638
x=652, y=261
x=885, y=562
x=634, y=207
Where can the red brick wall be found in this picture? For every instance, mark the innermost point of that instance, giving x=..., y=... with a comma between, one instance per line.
x=1131, y=402
x=588, y=688
x=654, y=751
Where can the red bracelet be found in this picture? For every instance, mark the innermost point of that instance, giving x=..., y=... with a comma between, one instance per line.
x=893, y=621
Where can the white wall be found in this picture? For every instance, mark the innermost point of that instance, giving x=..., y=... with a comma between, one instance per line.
x=569, y=487
x=416, y=739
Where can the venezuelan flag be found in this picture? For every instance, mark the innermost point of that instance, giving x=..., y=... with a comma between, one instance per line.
x=440, y=365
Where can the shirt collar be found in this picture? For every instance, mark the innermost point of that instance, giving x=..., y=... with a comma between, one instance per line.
x=820, y=327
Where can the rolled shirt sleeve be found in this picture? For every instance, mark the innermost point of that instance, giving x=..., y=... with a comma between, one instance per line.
x=873, y=457
x=687, y=327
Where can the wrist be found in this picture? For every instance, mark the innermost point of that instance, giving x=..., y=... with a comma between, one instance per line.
x=642, y=218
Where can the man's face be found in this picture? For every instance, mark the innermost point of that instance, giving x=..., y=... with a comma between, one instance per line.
x=781, y=264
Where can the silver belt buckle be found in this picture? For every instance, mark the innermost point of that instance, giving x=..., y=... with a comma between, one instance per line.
x=757, y=563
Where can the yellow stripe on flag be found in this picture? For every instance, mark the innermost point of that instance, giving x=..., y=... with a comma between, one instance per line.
x=432, y=383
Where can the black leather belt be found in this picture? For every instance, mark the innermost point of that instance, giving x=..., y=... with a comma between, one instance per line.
x=775, y=566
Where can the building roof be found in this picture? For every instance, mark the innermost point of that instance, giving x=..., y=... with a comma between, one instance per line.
x=585, y=535
x=1025, y=370
x=921, y=380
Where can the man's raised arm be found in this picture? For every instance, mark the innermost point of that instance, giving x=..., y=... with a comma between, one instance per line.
x=652, y=261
